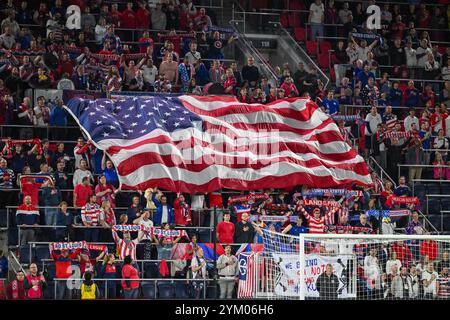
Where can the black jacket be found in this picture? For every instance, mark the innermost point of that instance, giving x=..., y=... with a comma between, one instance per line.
x=327, y=286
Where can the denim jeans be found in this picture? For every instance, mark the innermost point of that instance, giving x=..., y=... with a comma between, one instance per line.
x=50, y=216
x=91, y=234
x=62, y=290
x=316, y=30
x=131, y=294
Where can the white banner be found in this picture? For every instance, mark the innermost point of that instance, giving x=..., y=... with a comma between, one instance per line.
x=287, y=282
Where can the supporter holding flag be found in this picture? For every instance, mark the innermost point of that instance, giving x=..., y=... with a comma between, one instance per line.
x=164, y=211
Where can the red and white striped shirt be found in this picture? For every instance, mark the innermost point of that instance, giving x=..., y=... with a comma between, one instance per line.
x=125, y=247
x=317, y=225
x=444, y=287
x=90, y=213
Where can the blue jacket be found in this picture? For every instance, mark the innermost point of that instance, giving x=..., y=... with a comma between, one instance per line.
x=159, y=211
x=58, y=117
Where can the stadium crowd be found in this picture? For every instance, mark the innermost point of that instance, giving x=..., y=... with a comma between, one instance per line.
x=180, y=50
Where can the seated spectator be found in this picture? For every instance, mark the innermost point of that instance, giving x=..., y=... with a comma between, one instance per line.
x=215, y=72
x=194, y=88
x=257, y=96
x=250, y=73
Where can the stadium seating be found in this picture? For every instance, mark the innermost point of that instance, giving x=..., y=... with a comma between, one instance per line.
x=149, y=290
x=300, y=34
x=181, y=290
x=311, y=47
x=166, y=290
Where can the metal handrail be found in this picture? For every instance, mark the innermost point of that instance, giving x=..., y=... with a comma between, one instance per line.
x=383, y=172
x=310, y=61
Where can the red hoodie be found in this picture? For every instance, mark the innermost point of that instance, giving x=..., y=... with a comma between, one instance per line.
x=182, y=213
x=142, y=18
x=128, y=19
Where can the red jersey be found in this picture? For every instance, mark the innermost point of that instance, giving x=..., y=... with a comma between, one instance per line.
x=430, y=248
x=31, y=189
x=403, y=254
x=128, y=19
x=64, y=265
x=142, y=18
x=144, y=43
x=83, y=192
x=215, y=199
x=225, y=232
x=130, y=272
x=182, y=213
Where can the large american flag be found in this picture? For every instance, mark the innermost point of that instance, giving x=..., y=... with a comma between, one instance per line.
x=246, y=274
x=204, y=143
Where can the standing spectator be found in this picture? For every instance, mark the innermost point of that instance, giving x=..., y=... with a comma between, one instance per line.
x=422, y=57
x=441, y=142
x=395, y=95
x=41, y=113
x=135, y=210
x=182, y=211
x=164, y=211
x=158, y=18
x=244, y=231
x=144, y=251
x=299, y=76
x=429, y=280
x=63, y=264
x=230, y=82
x=150, y=71
x=105, y=192
x=108, y=271
x=89, y=290
x=393, y=261
x=331, y=104
x=411, y=96
x=16, y=290
x=35, y=283
x=228, y=268
x=126, y=247
x=403, y=253
x=402, y=286
x=415, y=157
x=402, y=190
x=444, y=284
x=444, y=262
x=250, y=73
x=169, y=68
x=225, y=229
x=198, y=267
x=370, y=93
x=82, y=192
x=316, y=19
x=397, y=57
x=7, y=177
x=439, y=171
x=328, y=284
x=142, y=16
x=109, y=172
x=186, y=73
x=130, y=285
x=84, y=151
x=289, y=88
x=216, y=46
x=411, y=58
x=128, y=17
x=27, y=217
x=90, y=215
x=82, y=172
x=63, y=219
x=373, y=119
x=51, y=198
x=430, y=248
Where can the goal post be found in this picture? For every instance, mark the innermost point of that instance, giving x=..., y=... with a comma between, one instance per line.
x=353, y=266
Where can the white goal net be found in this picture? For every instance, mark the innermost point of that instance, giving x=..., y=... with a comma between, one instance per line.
x=352, y=266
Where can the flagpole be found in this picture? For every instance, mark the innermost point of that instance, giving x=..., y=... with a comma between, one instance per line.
x=215, y=251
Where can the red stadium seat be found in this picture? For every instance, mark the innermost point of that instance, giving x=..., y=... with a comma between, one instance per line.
x=300, y=34
x=332, y=74
x=294, y=19
x=284, y=19
x=334, y=59
x=324, y=61
x=311, y=47
x=324, y=46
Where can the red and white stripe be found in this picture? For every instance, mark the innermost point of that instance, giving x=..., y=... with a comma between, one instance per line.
x=91, y=214
x=245, y=290
x=126, y=248
x=301, y=145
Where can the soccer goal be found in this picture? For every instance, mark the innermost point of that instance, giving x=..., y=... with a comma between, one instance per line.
x=352, y=266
